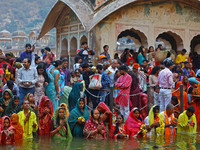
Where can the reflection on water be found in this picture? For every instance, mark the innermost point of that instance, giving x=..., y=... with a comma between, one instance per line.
x=181, y=141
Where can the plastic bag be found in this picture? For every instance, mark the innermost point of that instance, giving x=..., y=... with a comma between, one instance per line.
x=95, y=81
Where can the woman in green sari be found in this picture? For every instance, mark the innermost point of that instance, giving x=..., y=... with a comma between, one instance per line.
x=59, y=126
x=7, y=96
x=77, y=118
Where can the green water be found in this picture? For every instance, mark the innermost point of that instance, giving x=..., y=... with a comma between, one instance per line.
x=182, y=141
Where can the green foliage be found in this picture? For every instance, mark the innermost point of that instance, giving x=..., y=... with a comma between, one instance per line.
x=23, y=14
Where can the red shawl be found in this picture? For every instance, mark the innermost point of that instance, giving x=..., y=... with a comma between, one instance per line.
x=45, y=121
x=91, y=125
x=6, y=138
x=123, y=131
x=133, y=124
x=103, y=108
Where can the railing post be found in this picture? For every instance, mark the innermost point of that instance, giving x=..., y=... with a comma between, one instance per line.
x=181, y=97
x=148, y=97
x=111, y=98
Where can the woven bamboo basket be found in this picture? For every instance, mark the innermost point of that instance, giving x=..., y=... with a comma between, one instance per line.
x=161, y=55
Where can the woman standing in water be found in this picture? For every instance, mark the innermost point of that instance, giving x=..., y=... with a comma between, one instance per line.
x=7, y=134
x=134, y=123
x=119, y=129
x=45, y=114
x=53, y=90
x=17, y=126
x=77, y=118
x=59, y=126
x=94, y=127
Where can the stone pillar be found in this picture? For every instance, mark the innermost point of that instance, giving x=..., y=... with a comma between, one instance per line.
x=186, y=40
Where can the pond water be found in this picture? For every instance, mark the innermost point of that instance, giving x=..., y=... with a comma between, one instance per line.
x=181, y=141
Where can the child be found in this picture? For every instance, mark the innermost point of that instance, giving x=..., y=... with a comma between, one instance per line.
x=78, y=61
x=116, y=90
x=7, y=74
x=73, y=78
x=2, y=81
x=190, y=93
x=30, y=97
x=131, y=65
x=156, y=95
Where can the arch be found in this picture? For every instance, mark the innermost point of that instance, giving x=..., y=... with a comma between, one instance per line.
x=73, y=49
x=73, y=46
x=82, y=10
x=64, y=51
x=195, y=44
x=137, y=38
x=83, y=39
x=116, y=5
x=170, y=40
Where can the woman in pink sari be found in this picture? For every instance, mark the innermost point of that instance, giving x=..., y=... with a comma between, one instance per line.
x=134, y=123
x=45, y=114
x=7, y=132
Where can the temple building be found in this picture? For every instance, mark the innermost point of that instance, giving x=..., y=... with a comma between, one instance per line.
x=5, y=39
x=124, y=23
x=42, y=42
x=19, y=39
x=16, y=41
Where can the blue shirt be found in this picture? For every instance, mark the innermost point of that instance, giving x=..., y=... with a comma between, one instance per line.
x=105, y=81
x=24, y=54
x=108, y=56
x=185, y=72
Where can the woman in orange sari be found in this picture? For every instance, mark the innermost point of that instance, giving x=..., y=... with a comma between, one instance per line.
x=177, y=94
x=186, y=84
x=64, y=106
x=17, y=126
x=45, y=114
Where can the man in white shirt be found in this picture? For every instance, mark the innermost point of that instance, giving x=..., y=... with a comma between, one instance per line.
x=27, y=78
x=165, y=80
x=111, y=72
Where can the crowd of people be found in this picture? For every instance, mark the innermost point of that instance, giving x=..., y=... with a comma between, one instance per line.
x=42, y=96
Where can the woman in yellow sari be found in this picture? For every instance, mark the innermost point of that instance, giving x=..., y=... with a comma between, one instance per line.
x=187, y=121
x=156, y=125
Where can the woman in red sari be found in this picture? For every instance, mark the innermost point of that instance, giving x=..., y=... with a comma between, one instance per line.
x=7, y=132
x=94, y=127
x=119, y=129
x=186, y=84
x=177, y=94
x=45, y=114
x=106, y=115
x=134, y=123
